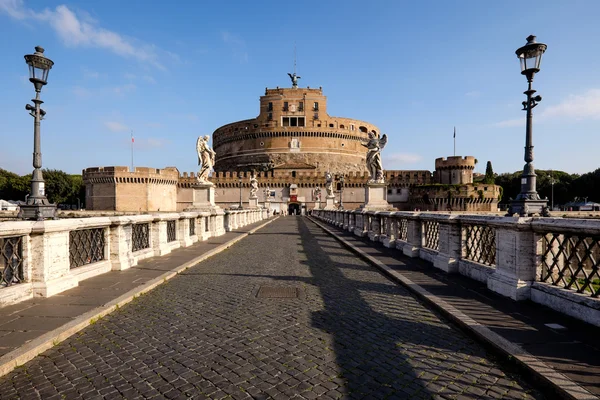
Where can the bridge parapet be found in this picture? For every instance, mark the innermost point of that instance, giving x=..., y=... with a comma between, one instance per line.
x=43, y=258
x=551, y=261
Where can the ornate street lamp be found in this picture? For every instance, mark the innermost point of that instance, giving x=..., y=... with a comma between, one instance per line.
x=37, y=205
x=528, y=202
x=341, y=180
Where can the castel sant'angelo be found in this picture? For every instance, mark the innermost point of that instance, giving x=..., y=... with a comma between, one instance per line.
x=289, y=147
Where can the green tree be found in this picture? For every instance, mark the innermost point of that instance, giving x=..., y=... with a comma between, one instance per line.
x=60, y=187
x=489, y=174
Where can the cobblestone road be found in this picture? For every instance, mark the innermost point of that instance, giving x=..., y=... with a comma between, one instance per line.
x=350, y=334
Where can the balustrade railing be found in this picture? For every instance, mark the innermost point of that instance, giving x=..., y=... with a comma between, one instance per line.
x=552, y=261
x=571, y=261
x=58, y=254
x=402, y=228
x=171, y=231
x=140, y=237
x=432, y=234
x=192, y=222
x=86, y=246
x=11, y=261
x=479, y=244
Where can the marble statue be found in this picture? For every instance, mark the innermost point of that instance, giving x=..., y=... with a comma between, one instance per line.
x=374, y=145
x=267, y=193
x=329, y=184
x=253, y=186
x=206, y=158
x=317, y=194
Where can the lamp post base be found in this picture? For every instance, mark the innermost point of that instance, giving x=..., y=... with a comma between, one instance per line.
x=39, y=212
x=529, y=208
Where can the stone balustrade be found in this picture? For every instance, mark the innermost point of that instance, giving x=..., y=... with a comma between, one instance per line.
x=551, y=261
x=43, y=258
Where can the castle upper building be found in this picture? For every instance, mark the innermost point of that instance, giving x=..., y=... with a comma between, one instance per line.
x=288, y=147
x=292, y=129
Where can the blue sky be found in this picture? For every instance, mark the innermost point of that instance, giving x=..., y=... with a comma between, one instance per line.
x=171, y=71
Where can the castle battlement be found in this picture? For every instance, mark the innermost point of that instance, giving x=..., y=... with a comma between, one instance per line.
x=453, y=162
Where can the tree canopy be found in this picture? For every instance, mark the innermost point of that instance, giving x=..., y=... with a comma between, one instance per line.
x=61, y=188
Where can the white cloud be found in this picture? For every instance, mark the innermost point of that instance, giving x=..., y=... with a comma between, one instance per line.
x=114, y=126
x=146, y=78
x=237, y=45
x=81, y=92
x=155, y=125
x=572, y=108
x=87, y=73
x=511, y=123
x=578, y=107
x=473, y=94
x=82, y=31
x=401, y=158
x=121, y=90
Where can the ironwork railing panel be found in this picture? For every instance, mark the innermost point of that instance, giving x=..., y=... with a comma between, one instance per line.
x=432, y=234
x=571, y=261
x=192, y=222
x=11, y=261
x=480, y=244
x=86, y=246
x=171, y=231
x=402, y=228
x=140, y=237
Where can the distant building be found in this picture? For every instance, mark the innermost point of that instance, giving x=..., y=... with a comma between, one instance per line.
x=9, y=205
x=289, y=146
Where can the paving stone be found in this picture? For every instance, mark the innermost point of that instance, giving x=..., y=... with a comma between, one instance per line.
x=352, y=334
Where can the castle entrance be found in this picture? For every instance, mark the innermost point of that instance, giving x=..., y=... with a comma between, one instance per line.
x=294, y=209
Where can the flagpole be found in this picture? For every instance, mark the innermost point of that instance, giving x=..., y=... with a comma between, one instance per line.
x=132, y=170
x=455, y=141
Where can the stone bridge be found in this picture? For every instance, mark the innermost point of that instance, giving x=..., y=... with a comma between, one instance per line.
x=353, y=305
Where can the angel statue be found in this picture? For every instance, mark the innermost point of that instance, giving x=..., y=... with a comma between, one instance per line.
x=267, y=192
x=317, y=194
x=294, y=79
x=206, y=158
x=329, y=184
x=374, y=145
x=253, y=187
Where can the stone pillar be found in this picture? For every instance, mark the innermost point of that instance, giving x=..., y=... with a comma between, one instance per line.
x=351, y=221
x=219, y=222
x=376, y=197
x=391, y=229
x=374, y=226
x=121, y=256
x=159, y=237
x=414, y=237
x=253, y=202
x=515, y=259
x=183, y=231
x=449, y=251
x=50, y=260
x=329, y=203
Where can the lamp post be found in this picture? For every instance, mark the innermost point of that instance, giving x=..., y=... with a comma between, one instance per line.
x=37, y=205
x=240, y=180
x=552, y=192
x=341, y=178
x=528, y=202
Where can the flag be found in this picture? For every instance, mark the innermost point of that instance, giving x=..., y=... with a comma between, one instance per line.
x=454, y=132
x=132, y=140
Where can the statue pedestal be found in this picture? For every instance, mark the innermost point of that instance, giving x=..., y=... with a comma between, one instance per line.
x=318, y=205
x=253, y=202
x=329, y=203
x=203, y=197
x=376, y=198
